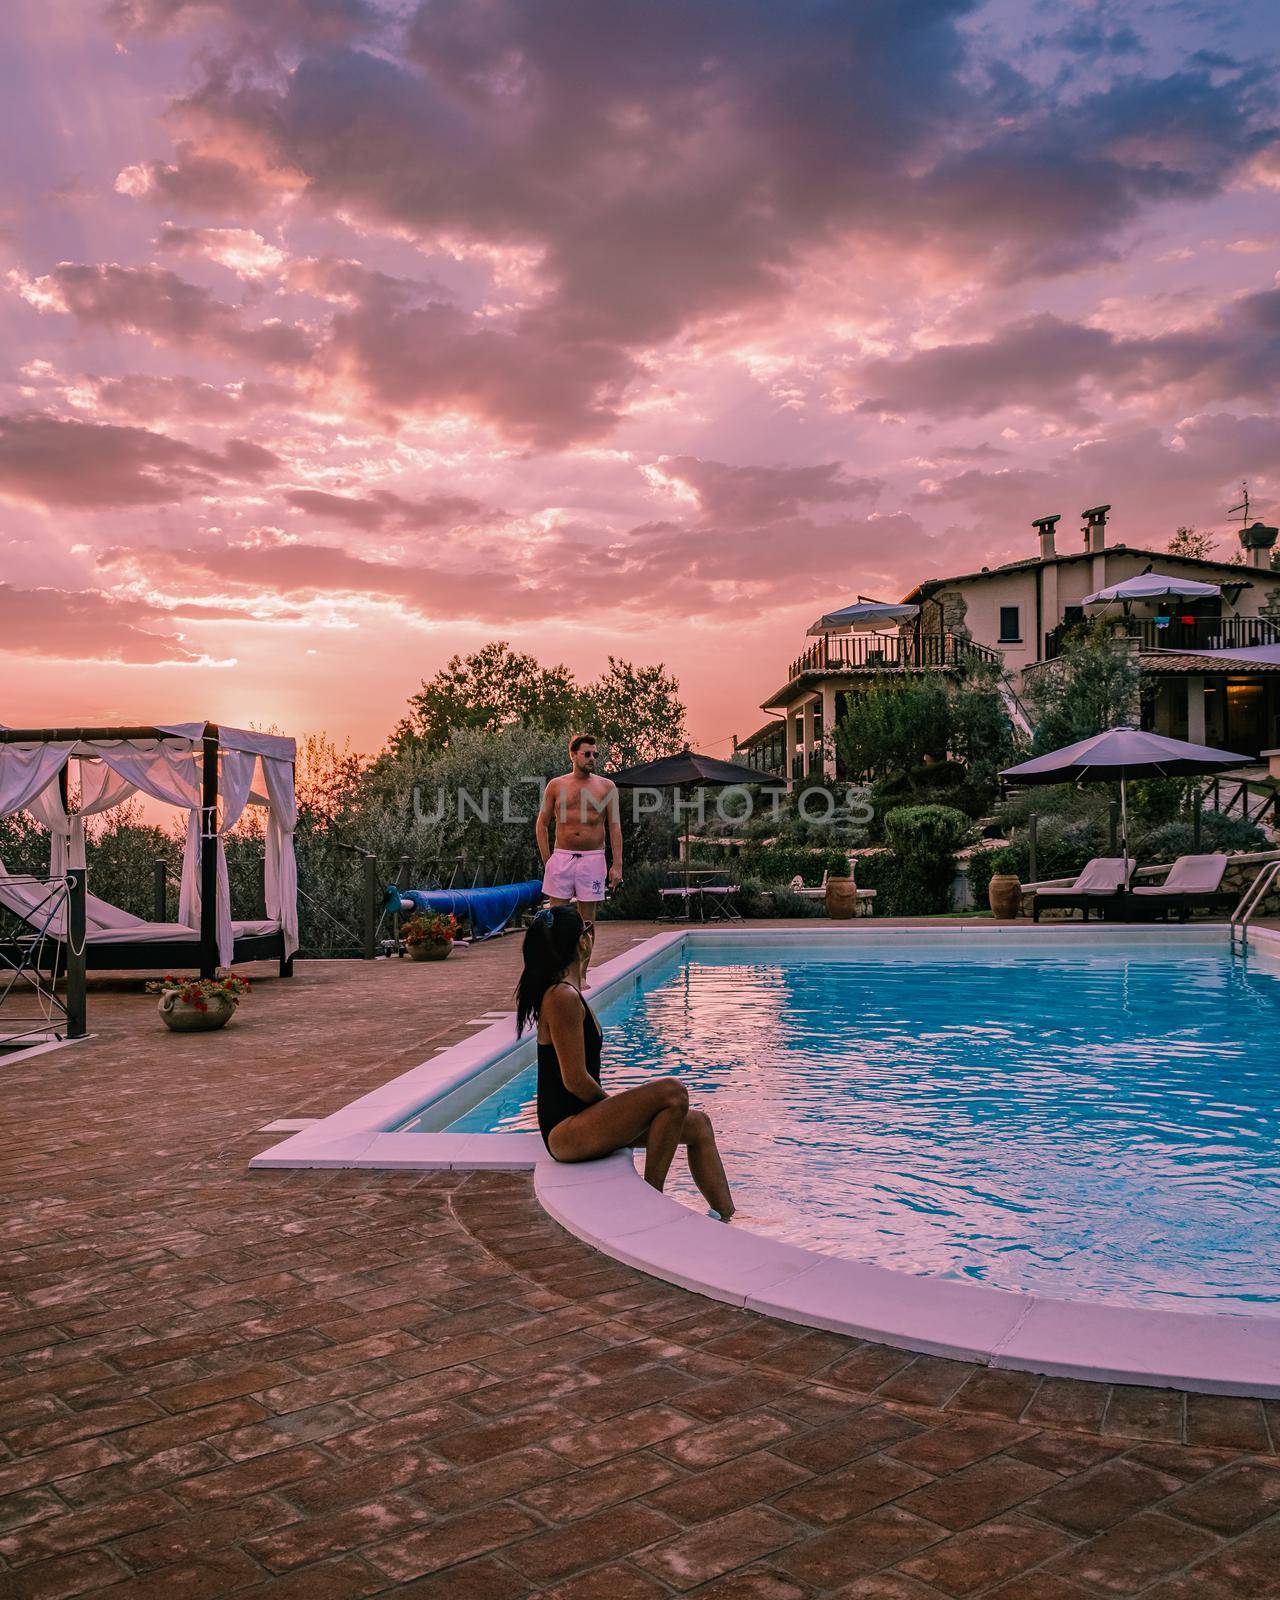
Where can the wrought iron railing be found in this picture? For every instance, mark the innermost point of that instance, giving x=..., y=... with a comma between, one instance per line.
x=1182, y=633
x=875, y=652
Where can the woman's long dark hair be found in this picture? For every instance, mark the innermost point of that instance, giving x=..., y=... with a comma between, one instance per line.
x=550, y=945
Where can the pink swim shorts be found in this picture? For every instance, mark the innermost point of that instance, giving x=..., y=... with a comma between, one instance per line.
x=575, y=875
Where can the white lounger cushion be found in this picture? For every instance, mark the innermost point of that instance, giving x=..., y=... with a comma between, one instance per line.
x=1191, y=875
x=105, y=923
x=1103, y=875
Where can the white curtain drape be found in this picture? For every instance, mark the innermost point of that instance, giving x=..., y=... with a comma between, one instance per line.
x=174, y=777
x=282, y=865
x=100, y=789
x=25, y=770
x=235, y=779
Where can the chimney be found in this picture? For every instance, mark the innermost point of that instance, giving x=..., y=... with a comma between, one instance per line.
x=1095, y=528
x=1257, y=541
x=1045, y=527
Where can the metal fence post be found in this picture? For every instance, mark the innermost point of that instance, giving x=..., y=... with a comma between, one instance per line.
x=1032, y=822
x=158, y=872
x=370, y=906
x=76, y=1002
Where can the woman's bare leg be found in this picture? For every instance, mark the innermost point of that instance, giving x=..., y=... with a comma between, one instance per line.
x=705, y=1165
x=652, y=1115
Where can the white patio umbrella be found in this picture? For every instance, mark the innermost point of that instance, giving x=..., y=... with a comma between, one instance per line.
x=864, y=616
x=1151, y=586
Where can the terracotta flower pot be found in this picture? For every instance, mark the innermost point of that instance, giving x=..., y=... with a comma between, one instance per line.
x=1004, y=895
x=183, y=1017
x=841, y=898
x=430, y=950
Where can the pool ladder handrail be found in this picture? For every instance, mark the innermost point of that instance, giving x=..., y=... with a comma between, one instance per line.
x=1252, y=898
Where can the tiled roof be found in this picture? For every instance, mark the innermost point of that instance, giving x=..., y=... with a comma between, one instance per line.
x=1172, y=661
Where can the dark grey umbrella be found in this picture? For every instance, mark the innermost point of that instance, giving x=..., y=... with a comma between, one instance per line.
x=1123, y=753
x=689, y=769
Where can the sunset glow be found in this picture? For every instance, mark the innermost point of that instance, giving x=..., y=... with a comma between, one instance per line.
x=341, y=336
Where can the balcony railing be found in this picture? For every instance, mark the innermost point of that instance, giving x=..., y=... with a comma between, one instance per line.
x=1183, y=633
x=875, y=652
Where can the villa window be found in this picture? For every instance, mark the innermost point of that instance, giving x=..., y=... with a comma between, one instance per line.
x=1010, y=624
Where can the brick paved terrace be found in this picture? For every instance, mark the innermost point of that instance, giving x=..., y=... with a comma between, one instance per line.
x=323, y=1385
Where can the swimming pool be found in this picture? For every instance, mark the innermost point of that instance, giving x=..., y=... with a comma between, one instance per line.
x=1096, y=1122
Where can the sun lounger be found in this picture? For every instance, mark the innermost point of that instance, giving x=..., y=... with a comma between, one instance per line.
x=118, y=941
x=1100, y=887
x=1192, y=881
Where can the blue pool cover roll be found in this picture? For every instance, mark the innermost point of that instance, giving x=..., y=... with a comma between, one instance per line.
x=487, y=910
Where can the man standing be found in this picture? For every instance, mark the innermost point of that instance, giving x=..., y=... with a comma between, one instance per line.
x=574, y=871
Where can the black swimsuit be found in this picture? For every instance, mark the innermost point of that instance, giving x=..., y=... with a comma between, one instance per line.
x=555, y=1103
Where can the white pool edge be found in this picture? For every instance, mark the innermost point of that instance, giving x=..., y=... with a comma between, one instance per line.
x=607, y=1205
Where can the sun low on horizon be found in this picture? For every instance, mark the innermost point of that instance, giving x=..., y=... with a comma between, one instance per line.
x=344, y=336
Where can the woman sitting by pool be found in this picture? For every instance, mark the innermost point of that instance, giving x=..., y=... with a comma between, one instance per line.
x=578, y=1120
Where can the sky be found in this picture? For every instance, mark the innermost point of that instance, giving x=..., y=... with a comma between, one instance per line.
x=341, y=336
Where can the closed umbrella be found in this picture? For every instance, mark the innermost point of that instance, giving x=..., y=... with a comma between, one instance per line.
x=689, y=769
x=1123, y=753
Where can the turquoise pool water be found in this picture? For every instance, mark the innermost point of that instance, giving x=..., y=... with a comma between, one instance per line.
x=1100, y=1125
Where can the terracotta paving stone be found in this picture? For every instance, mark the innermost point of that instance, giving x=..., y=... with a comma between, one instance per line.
x=445, y=1488
x=170, y=1542
x=928, y=1381
x=714, y=1548
x=959, y=1442
x=587, y=1445
x=866, y=1367
x=1146, y=1413
x=839, y=1442
x=752, y=1583
x=1132, y=1555
x=614, y=1532
x=327, y=1385
x=484, y=1579
x=583, y=1493
x=613, y=1581
x=1068, y=1403
x=64, y=1576
x=1066, y=1453
x=973, y=1560
x=1215, y=1419
x=878, y=1538
x=728, y=1487
x=454, y=1539
x=851, y=1490
x=1101, y=1498
x=1231, y=1500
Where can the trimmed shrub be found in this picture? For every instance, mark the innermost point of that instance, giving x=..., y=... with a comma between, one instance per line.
x=779, y=863
x=924, y=841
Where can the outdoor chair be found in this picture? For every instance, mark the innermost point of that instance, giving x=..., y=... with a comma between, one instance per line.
x=1100, y=887
x=1193, y=881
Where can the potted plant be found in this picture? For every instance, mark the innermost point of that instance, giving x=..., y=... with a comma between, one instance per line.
x=197, y=1005
x=1004, y=890
x=429, y=938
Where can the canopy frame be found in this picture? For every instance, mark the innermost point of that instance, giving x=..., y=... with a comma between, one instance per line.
x=209, y=740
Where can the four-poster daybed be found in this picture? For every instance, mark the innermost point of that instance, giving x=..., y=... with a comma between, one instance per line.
x=206, y=770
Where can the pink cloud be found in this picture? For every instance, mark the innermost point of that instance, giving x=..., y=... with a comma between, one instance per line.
x=45, y=461
x=165, y=309
x=87, y=626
